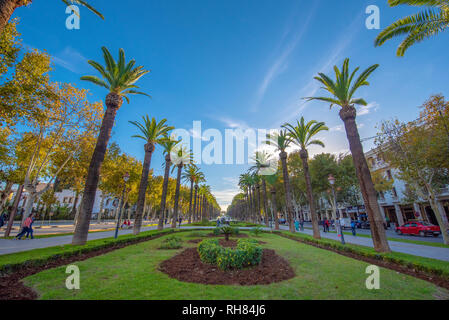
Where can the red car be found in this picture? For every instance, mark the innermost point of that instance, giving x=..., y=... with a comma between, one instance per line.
x=420, y=228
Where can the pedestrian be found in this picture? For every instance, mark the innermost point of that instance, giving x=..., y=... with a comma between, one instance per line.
x=324, y=225
x=3, y=218
x=296, y=225
x=353, y=226
x=301, y=223
x=328, y=224
x=30, y=228
x=25, y=226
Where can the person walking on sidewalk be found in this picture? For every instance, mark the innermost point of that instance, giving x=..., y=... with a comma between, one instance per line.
x=353, y=226
x=25, y=227
x=30, y=228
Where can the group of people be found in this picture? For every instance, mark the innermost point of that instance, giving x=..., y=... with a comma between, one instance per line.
x=126, y=224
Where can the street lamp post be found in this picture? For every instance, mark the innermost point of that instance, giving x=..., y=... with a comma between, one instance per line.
x=125, y=180
x=337, y=220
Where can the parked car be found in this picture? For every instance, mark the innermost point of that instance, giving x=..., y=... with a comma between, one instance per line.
x=345, y=223
x=420, y=228
x=363, y=224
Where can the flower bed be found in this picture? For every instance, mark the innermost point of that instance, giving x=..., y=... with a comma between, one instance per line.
x=247, y=253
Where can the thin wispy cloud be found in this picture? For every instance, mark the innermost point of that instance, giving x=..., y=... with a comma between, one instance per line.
x=292, y=111
x=71, y=60
x=280, y=63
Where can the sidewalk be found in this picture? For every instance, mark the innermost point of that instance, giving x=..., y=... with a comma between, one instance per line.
x=409, y=248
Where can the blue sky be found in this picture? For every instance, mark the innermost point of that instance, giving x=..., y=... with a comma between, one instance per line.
x=240, y=64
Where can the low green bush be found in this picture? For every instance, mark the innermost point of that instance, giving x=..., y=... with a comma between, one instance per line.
x=195, y=234
x=171, y=242
x=247, y=253
x=256, y=231
x=209, y=250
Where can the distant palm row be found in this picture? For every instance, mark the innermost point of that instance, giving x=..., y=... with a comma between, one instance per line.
x=302, y=134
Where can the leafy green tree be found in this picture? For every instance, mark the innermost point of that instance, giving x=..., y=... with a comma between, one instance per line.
x=119, y=78
x=342, y=92
x=417, y=27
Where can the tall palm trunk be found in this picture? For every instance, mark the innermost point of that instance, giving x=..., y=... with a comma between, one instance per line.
x=305, y=164
x=248, y=204
x=178, y=187
x=265, y=202
x=348, y=115
x=113, y=103
x=75, y=203
x=250, y=214
x=7, y=8
x=149, y=149
x=190, y=201
x=288, y=197
x=164, y=191
x=274, y=208
x=259, y=211
x=195, y=203
x=254, y=205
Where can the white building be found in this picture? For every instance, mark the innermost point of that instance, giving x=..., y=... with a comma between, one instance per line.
x=67, y=198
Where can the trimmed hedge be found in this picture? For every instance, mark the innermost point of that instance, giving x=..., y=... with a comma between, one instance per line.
x=171, y=242
x=38, y=257
x=426, y=265
x=247, y=253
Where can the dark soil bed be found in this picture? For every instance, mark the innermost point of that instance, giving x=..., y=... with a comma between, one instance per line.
x=12, y=288
x=188, y=267
x=435, y=279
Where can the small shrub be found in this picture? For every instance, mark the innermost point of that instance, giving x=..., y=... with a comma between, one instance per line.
x=171, y=242
x=247, y=253
x=209, y=250
x=256, y=231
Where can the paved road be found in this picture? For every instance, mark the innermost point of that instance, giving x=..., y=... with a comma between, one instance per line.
x=391, y=234
x=410, y=248
x=11, y=246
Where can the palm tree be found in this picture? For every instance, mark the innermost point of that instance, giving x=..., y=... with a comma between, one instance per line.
x=7, y=8
x=263, y=167
x=281, y=141
x=302, y=135
x=152, y=132
x=245, y=185
x=169, y=145
x=271, y=180
x=342, y=91
x=190, y=174
x=417, y=27
x=183, y=156
x=204, y=192
x=119, y=79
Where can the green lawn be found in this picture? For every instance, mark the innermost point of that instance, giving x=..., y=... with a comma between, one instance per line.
x=132, y=273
